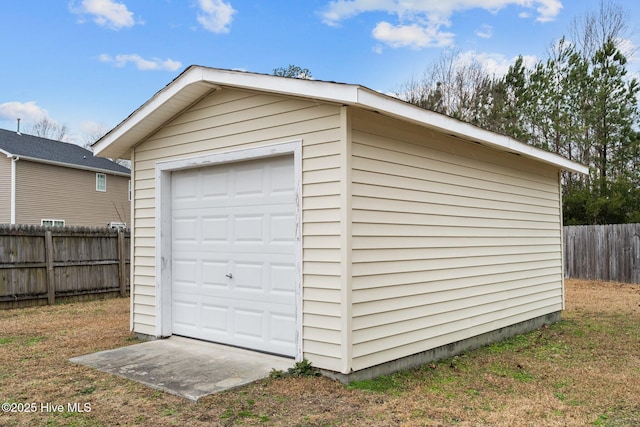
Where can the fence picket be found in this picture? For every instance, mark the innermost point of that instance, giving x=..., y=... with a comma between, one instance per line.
x=602, y=252
x=40, y=264
x=51, y=278
x=122, y=274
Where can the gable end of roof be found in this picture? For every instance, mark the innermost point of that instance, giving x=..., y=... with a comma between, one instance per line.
x=196, y=82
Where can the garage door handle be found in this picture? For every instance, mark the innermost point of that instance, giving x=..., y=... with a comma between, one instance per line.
x=230, y=276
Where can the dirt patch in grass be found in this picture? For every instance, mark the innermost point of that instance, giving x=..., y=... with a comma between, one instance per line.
x=584, y=370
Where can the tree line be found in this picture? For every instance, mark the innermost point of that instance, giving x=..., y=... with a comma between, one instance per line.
x=579, y=102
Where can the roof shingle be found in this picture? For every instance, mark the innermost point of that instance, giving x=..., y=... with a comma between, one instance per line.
x=49, y=150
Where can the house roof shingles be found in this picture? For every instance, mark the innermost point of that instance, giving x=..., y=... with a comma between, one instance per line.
x=50, y=151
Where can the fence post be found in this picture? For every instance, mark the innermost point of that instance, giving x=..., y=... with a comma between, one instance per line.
x=48, y=253
x=122, y=277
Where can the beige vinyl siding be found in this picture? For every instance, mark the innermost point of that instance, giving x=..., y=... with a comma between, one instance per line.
x=450, y=239
x=45, y=191
x=5, y=189
x=230, y=120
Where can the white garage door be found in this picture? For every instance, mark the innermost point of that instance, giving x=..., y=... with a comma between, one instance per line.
x=233, y=254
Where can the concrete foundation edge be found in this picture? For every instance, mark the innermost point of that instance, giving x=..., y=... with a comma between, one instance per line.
x=431, y=355
x=444, y=351
x=145, y=337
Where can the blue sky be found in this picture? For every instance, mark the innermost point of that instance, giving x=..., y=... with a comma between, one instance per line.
x=89, y=63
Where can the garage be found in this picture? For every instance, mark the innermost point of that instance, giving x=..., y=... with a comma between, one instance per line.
x=331, y=222
x=233, y=254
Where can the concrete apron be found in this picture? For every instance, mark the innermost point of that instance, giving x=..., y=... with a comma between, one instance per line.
x=186, y=367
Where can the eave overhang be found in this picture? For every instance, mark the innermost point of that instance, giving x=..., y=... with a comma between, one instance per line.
x=197, y=82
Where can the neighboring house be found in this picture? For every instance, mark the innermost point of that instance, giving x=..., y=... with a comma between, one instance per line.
x=329, y=221
x=47, y=182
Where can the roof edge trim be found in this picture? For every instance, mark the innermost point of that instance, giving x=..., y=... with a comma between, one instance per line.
x=191, y=75
x=448, y=125
x=341, y=93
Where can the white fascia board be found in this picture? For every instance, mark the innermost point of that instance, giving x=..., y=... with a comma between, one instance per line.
x=385, y=104
x=341, y=93
x=367, y=98
x=211, y=79
x=126, y=137
x=190, y=76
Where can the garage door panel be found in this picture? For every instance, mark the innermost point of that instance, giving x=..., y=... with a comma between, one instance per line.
x=280, y=228
x=269, y=228
x=185, y=314
x=237, y=250
x=249, y=228
x=209, y=275
x=249, y=323
x=226, y=206
x=217, y=210
x=234, y=298
x=251, y=248
x=184, y=188
x=280, y=326
x=239, y=220
x=215, y=318
x=241, y=297
x=264, y=250
x=249, y=183
x=184, y=272
x=264, y=326
x=248, y=276
x=185, y=229
x=214, y=274
x=280, y=183
x=215, y=184
x=215, y=229
x=282, y=278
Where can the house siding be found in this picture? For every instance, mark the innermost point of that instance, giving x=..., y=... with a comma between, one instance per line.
x=5, y=189
x=230, y=120
x=46, y=191
x=450, y=239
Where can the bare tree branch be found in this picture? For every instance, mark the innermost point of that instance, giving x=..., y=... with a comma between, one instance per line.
x=593, y=29
x=47, y=128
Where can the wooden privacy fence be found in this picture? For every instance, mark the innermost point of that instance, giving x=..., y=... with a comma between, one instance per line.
x=40, y=264
x=603, y=252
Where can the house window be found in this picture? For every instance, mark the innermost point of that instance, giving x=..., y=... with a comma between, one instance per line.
x=52, y=222
x=129, y=190
x=101, y=182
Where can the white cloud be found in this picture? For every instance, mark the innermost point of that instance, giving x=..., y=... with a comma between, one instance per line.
x=420, y=22
x=92, y=127
x=91, y=131
x=628, y=49
x=547, y=9
x=106, y=13
x=413, y=36
x=486, y=31
x=140, y=62
x=27, y=111
x=494, y=63
x=216, y=15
